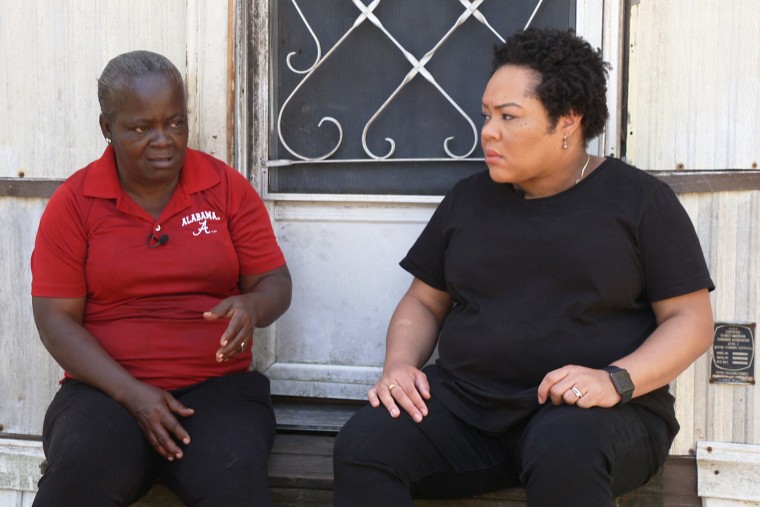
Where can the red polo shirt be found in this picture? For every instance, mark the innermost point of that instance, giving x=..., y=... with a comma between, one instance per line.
x=145, y=305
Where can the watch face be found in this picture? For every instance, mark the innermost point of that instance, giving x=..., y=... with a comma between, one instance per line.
x=622, y=381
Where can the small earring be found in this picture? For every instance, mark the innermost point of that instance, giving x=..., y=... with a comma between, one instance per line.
x=108, y=140
x=564, y=142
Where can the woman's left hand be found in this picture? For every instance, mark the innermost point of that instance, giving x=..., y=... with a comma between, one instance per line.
x=241, y=312
x=578, y=385
x=263, y=298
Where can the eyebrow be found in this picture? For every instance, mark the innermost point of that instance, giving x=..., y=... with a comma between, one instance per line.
x=505, y=105
x=148, y=119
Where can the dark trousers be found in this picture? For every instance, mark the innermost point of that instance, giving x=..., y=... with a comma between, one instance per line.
x=97, y=454
x=564, y=456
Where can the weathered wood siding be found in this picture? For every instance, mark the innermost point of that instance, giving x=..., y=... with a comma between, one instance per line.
x=694, y=89
x=28, y=375
x=694, y=103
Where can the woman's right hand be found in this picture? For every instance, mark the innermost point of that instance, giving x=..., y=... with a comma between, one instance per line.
x=412, y=335
x=59, y=321
x=402, y=385
x=155, y=410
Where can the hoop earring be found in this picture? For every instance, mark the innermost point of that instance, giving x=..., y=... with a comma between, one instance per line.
x=564, y=142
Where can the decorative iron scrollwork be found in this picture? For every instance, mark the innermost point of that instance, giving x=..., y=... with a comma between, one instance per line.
x=418, y=68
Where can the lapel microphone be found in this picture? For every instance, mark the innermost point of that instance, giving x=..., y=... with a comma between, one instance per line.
x=154, y=242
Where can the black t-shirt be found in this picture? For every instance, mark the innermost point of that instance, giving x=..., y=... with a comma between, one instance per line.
x=538, y=284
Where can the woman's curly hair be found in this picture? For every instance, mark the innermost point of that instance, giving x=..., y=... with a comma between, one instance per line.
x=572, y=74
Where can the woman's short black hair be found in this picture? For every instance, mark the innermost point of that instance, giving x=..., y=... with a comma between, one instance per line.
x=124, y=68
x=572, y=74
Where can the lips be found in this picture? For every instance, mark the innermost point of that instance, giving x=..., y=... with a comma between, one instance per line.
x=161, y=161
x=492, y=156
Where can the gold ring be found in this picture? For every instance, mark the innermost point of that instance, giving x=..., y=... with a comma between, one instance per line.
x=391, y=386
x=577, y=392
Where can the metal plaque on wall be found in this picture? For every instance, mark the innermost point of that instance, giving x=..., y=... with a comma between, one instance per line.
x=733, y=354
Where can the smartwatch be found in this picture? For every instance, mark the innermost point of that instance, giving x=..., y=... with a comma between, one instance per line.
x=622, y=382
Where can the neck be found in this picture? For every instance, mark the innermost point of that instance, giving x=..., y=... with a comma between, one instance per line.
x=571, y=171
x=151, y=198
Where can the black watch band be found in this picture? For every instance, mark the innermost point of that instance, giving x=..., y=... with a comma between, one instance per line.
x=622, y=382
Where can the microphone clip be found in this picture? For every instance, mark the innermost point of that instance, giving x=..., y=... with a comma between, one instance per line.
x=154, y=242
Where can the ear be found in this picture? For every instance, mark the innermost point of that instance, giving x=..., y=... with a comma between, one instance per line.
x=105, y=126
x=570, y=123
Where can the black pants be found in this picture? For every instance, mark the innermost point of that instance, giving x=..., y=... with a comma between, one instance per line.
x=564, y=456
x=97, y=454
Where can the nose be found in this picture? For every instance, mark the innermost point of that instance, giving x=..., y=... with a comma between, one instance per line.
x=489, y=131
x=161, y=137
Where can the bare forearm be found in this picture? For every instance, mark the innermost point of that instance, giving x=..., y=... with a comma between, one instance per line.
x=83, y=358
x=683, y=333
x=412, y=333
x=678, y=341
x=270, y=296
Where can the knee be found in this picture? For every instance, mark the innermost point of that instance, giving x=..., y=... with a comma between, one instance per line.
x=569, y=457
x=349, y=445
x=236, y=457
x=74, y=452
x=364, y=440
x=86, y=476
x=227, y=474
x=571, y=449
x=370, y=466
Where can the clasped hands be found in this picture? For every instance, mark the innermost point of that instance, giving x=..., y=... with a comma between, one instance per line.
x=407, y=387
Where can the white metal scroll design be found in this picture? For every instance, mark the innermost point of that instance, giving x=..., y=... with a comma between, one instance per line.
x=313, y=36
x=418, y=68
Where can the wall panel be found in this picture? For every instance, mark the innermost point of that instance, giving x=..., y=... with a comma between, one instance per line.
x=694, y=95
x=56, y=51
x=28, y=375
x=727, y=224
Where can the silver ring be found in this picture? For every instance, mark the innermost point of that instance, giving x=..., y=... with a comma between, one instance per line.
x=242, y=346
x=577, y=392
x=391, y=386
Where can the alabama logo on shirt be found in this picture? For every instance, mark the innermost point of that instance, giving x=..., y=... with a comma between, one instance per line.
x=200, y=222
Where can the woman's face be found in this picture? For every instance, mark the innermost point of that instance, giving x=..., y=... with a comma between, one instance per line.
x=518, y=140
x=149, y=132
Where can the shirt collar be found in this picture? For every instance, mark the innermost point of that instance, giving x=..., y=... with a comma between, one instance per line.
x=102, y=179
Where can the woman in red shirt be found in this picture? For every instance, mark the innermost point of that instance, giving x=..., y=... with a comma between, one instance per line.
x=151, y=269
